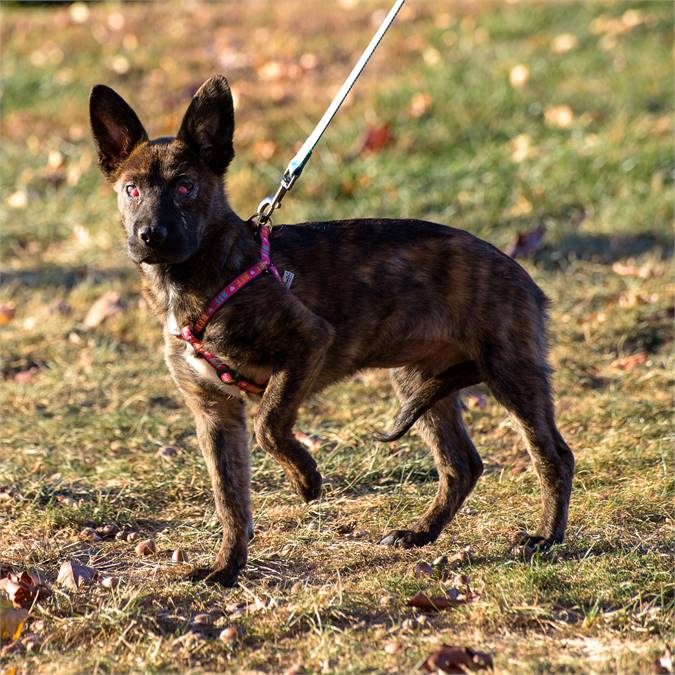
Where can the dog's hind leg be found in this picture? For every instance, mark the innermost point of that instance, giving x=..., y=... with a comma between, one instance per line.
x=458, y=463
x=522, y=386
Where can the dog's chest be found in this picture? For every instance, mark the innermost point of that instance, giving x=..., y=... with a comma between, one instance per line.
x=200, y=366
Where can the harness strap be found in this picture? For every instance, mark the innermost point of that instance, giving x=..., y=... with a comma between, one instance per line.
x=191, y=335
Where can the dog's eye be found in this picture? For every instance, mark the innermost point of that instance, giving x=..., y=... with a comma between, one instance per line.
x=133, y=191
x=184, y=188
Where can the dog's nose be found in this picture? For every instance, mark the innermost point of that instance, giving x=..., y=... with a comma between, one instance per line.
x=152, y=236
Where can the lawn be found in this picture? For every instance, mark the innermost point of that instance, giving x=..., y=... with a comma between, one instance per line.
x=553, y=120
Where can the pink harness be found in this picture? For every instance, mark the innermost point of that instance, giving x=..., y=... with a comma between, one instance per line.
x=192, y=335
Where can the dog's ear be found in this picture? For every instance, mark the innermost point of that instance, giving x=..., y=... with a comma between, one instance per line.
x=116, y=128
x=208, y=125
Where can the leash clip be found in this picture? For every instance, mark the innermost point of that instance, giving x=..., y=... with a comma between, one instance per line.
x=268, y=205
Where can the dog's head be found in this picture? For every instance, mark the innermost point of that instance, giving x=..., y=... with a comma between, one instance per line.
x=166, y=188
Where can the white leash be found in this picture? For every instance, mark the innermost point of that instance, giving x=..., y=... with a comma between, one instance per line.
x=297, y=164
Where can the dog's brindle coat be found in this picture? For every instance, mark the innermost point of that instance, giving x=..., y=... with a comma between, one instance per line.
x=438, y=307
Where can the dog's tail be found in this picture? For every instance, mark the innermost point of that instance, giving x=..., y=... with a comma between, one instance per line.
x=456, y=377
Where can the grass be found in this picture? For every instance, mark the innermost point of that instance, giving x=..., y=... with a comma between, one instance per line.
x=79, y=438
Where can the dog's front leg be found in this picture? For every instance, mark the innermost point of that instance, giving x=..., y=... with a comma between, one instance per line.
x=222, y=436
x=290, y=383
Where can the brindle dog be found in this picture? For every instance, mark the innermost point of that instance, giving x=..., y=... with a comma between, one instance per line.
x=438, y=307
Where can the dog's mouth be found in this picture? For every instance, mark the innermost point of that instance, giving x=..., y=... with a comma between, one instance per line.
x=161, y=256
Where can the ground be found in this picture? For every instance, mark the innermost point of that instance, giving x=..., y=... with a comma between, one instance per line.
x=552, y=120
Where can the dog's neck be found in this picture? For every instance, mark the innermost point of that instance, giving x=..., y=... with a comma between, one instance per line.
x=228, y=247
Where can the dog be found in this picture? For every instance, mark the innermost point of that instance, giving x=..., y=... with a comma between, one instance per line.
x=438, y=307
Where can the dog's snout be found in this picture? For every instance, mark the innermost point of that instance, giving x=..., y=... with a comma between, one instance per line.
x=152, y=236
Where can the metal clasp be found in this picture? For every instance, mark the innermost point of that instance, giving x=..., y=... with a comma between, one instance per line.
x=269, y=204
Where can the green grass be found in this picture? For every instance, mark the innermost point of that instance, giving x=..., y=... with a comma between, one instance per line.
x=79, y=439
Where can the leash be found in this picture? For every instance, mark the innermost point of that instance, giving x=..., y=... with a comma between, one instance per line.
x=193, y=335
x=297, y=164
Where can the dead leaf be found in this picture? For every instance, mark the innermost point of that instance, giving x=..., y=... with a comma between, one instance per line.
x=167, y=452
x=146, y=547
x=179, y=556
x=451, y=659
x=526, y=243
x=519, y=76
x=108, y=305
x=310, y=441
x=228, y=635
x=664, y=664
x=435, y=603
x=7, y=312
x=11, y=621
x=420, y=104
x=629, y=268
x=392, y=647
x=423, y=569
x=564, y=43
x=376, y=137
x=74, y=576
x=22, y=589
x=559, y=116
x=628, y=363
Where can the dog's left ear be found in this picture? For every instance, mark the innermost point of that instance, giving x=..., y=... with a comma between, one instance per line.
x=208, y=125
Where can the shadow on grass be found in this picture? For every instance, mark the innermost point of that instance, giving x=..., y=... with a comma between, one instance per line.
x=602, y=248
x=49, y=275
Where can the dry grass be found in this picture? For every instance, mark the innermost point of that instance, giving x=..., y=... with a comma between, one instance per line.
x=79, y=438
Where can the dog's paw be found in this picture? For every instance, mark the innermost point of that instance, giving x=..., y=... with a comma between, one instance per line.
x=211, y=575
x=307, y=485
x=405, y=539
x=527, y=545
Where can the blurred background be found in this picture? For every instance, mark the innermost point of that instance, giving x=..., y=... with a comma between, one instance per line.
x=545, y=128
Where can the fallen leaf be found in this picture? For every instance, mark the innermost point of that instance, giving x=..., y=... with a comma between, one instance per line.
x=11, y=621
x=21, y=589
x=475, y=401
x=526, y=243
x=310, y=441
x=435, y=603
x=629, y=268
x=108, y=305
x=628, y=363
x=392, y=647
x=167, y=452
x=7, y=312
x=74, y=576
x=560, y=116
x=110, y=582
x=146, y=547
x=451, y=659
x=664, y=664
x=179, y=556
x=564, y=43
x=376, y=137
x=519, y=76
x=228, y=634
x=420, y=104
x=423, y=569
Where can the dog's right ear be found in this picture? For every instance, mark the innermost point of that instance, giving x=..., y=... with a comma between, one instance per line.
x=116, y=128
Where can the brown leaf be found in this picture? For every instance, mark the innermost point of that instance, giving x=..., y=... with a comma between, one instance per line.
x=435, y=603
x=23, y=589
x=11, y=621
x=526, y=243
x=628, y=363
x=179, y=556
x=451, y=659
x=423, y=569
x=420, y=104
x=7, y=312
x=664, y=664
x=108, y=305
x=74, y=576
x=376, y=137
x=146, y=547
